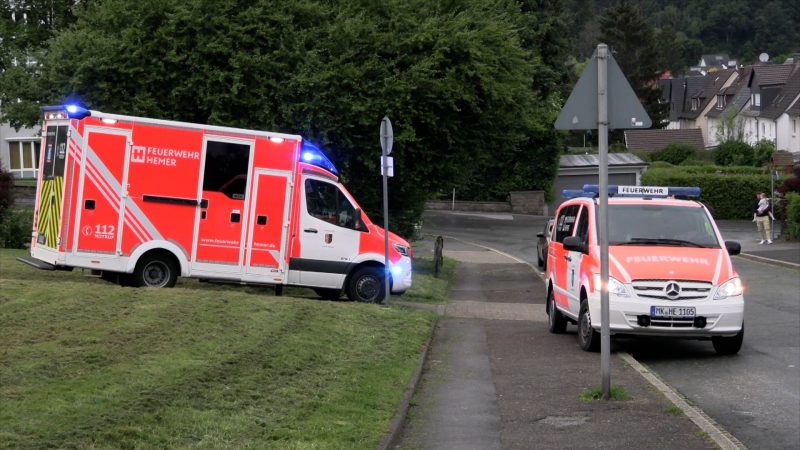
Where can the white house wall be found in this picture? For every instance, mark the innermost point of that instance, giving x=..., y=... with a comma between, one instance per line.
x=788, y=133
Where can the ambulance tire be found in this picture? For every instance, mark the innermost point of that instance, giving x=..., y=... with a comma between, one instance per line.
x=156, y=270
x=556, y=322
x=728, y=345
x=328, y=294
x=588, y=338
x=366, y=285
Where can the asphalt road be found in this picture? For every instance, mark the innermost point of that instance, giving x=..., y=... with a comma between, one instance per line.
x=754, y=395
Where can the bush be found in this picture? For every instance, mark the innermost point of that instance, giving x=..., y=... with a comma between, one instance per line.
x=6, y=193
x=16, y=228
x=673, y=153
x=728, y=195
x=734, y=153
x=762, y=152
x=793, y=215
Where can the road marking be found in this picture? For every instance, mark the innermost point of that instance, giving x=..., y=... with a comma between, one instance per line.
x=720, y=437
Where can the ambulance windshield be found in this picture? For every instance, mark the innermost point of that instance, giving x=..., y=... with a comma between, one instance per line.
x=660, y=225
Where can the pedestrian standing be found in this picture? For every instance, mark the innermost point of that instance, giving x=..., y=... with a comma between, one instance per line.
x=763, y=217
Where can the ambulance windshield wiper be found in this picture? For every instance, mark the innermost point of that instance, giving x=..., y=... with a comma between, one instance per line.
x=661, y=241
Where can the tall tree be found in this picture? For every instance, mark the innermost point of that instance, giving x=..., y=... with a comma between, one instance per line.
x=454, y=77
x=635, y=48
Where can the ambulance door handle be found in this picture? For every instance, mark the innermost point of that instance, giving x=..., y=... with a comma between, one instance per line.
x=568, y=258
x=311, y=230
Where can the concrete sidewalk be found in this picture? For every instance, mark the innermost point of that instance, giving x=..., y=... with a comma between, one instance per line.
x=745, y=233
x=495, y=378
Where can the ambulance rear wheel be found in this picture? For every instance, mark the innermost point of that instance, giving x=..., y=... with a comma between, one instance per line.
x=156, y=271
x=555, y=320
x=588, y=338
x=366, y=285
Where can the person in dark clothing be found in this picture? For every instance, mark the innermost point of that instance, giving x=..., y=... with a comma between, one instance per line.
x=763, y=218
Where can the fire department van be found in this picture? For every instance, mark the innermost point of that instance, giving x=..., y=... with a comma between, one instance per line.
x=670, y=272
x=144, y=201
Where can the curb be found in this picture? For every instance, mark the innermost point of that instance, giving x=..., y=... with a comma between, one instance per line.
x=392, y=436
x=770, y=261
x=722, y=438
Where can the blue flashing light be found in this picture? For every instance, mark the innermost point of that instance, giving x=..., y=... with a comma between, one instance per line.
x=592, y=191
x=77, y=112
x=397, y=270
x=311, y=154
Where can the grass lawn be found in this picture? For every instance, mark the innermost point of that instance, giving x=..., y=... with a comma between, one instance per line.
x=88, y=364
x=427, y=288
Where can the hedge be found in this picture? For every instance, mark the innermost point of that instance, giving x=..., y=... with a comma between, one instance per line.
x=728, y=195
x=793, y=215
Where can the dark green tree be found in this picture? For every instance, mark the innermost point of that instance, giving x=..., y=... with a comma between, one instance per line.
x=635, y=47
x=472, y=106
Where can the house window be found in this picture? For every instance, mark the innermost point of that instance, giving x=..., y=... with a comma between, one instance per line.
x=23, y=158
x=763, y=129
x=720, y=101
x=694, y=104
x=794, y=126
x=756, y=99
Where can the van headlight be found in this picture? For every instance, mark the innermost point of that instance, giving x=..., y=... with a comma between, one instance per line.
x=402, y=249
x=730, y=288
x=614, y=286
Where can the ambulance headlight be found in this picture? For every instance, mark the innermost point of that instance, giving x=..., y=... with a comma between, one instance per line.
x=730, y=288
x=397, y=270
x=614, y=286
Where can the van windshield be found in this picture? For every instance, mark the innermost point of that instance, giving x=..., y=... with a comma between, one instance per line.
x=660, y=225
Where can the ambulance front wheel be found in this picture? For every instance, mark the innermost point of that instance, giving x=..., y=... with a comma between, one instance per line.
x=366, y=285
x=556, y=322
x=155, y=270
x=728, y=345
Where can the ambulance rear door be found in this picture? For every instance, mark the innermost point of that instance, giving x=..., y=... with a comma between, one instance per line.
x=268, y=226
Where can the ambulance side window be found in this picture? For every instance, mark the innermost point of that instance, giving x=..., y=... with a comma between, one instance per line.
x=226, y=168
x=326, y=202
x=565, y=223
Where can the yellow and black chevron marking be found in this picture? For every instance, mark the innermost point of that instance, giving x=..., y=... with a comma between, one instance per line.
x=50, y=210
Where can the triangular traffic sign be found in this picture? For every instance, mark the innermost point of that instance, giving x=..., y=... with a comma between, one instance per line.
x=624, y=108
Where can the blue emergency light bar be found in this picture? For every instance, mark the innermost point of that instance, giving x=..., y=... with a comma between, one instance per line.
x=61, y=112
x=311, y=154
x=592, y=191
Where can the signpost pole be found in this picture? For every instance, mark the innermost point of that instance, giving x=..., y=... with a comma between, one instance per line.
x=602, y=128
x=387, y=139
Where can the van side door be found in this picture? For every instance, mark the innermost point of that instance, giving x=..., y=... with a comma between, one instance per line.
x=559, y=257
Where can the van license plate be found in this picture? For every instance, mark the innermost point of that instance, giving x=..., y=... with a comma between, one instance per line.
x=672, y=311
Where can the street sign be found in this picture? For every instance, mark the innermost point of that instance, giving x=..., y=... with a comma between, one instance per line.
x=625, y=111
x=389, y=166
x=387, y=136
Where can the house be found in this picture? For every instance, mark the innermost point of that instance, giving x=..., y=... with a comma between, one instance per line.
x=648, y=141
x=691, y=98
x=766, y=83
x=723, y=120
x=712, y=63
x=19, y=150
x=775, y=115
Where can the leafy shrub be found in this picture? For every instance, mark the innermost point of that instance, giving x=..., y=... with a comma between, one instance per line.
x=660, y=165
x=728, y=195
x=734, y=153
x=16, y=228
x=6, y=193
x=762, y=152
x=793, y=215
x=673, y=153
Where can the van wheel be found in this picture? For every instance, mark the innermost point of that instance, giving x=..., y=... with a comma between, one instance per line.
x=156, y=271
x=539, y=261
x=328, y=294
x=728, y=345
x=588, y=338
x=555, y=320
x=366, y=285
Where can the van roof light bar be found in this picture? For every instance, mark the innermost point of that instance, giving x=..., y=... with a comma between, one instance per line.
x=61, y=112
x=311, y=154
x=592, y=191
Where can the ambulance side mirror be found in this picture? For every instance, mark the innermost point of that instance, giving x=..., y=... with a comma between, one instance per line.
x=733, y=247
x=358, y=221
x=574, y=244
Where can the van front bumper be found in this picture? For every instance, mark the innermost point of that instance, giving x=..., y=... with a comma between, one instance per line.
x=401, y=275
x=631, y=315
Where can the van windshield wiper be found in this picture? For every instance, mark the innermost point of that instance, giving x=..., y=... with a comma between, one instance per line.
x=661, y=241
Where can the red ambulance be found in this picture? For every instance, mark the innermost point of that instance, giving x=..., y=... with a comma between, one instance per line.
x=144, y=201
x=670, y=271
